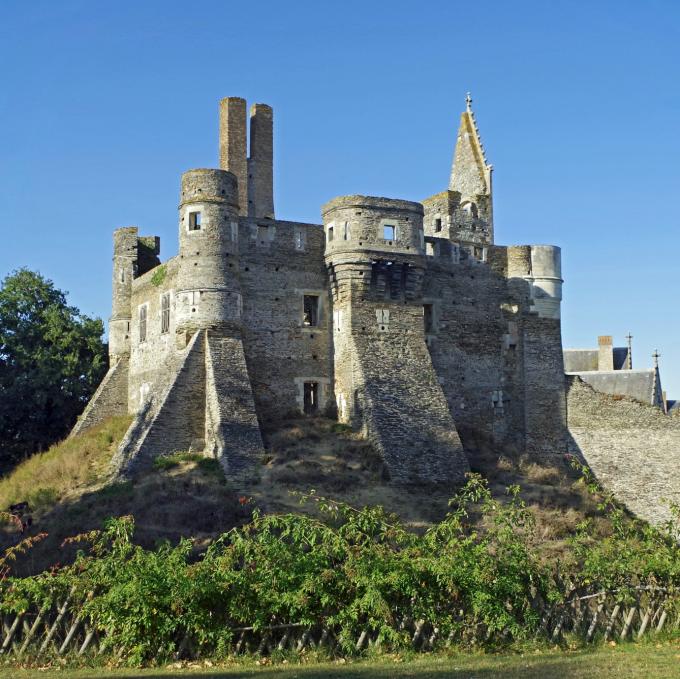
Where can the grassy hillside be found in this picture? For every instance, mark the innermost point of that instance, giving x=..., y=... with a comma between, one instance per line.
x=186, y=495
x=67, y=468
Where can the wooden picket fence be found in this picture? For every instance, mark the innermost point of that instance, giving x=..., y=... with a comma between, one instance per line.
x=60, y=629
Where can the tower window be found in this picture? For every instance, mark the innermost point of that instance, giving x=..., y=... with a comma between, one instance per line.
x=470, y=208
x=330, y=233
x=346, y=231
x=310, y=310
x=389, y=231
x=165, y=312
x=429, y=249
x=438, y=224
x=299, y=239
x=142, y=323
x=311, y=398
x=194, y=221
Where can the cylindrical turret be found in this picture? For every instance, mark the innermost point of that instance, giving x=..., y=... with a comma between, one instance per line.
x=368, y=223
x=124, y=261
x=208, y=291
x=546, y=273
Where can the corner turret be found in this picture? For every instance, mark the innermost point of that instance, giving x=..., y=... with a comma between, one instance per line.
x=133, y=255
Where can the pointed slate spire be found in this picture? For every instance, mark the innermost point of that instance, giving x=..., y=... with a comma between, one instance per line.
x=470, y=173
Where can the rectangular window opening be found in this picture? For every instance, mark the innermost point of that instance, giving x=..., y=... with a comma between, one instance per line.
x=142, y=323
x=330, y=234
x=310, y=310
x=194, y=221
x=429, y=249
x=438, y=225
x=311, y=398
x=428, y=317
x=165, y=313
x=346, y=231
x=389, y=231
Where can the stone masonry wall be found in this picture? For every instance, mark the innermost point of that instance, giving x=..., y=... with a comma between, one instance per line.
x=476, y=346
x=280, y=262
x=149, y=358
x=632, y=448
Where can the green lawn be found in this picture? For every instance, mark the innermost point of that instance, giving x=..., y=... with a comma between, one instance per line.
x=655, y=661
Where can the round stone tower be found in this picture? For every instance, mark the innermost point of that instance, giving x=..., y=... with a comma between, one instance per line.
x=546, y=270
x=376, y=242
x=208, y=293
x=375, y=258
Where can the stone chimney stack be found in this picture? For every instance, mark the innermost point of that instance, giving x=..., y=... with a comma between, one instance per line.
x=605, y=359
x=234, y=145
x=261, y=162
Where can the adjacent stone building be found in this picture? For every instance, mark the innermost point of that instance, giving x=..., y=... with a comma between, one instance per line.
x=609, y=370
x=403, y=319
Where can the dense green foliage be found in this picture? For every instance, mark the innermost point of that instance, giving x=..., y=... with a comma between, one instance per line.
x=634, y=554
x=51, y=360
x=348, y=570
x=158, y=276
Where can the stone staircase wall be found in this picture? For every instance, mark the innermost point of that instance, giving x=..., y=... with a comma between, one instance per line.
x=110, y=399
x=232, y=429
x=405, y=411
x=173, y=419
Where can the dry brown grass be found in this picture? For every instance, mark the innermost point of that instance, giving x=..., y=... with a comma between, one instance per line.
x=66, y=468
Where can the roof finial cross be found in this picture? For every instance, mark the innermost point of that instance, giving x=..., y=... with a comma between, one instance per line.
x=468, y=102
x=656, y=356
x=629, y=357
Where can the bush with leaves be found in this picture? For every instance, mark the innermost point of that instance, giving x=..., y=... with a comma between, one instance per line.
x=348, y=570
x=633, y=554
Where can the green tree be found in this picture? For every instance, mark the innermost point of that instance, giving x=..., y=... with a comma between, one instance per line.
x=51, y=360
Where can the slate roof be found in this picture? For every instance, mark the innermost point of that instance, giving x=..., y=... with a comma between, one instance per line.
x=641, y=385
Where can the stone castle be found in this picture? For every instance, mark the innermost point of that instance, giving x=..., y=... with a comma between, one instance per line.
x=402, y=319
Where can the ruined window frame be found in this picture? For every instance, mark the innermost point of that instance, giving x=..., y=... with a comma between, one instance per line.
x=299, y=238
x=314, y=319
x=165, y=313
x=142, y=316
x=315, y=393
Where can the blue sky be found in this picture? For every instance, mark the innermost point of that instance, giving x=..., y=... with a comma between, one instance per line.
x=104, y=104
